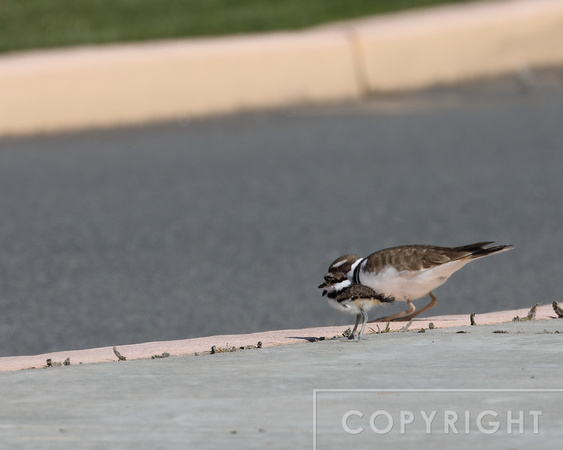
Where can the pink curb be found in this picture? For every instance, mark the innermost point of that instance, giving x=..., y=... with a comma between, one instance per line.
x=189, y=347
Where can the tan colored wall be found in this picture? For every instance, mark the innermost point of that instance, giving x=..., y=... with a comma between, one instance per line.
x=453, y=43
x=136, y=83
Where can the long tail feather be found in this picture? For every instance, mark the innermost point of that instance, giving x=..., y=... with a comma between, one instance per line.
x=481, y=249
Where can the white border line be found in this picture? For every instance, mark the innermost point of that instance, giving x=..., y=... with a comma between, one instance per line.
x=315, y=391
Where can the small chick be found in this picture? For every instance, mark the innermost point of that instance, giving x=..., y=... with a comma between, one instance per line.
x=354, y=298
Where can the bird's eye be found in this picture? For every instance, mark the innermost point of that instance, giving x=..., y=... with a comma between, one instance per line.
x=334, y=269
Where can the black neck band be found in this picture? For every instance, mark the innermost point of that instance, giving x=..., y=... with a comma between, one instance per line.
x=356, y=277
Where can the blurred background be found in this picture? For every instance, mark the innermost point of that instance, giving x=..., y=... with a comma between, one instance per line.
x=227, y=224
x=37, y=24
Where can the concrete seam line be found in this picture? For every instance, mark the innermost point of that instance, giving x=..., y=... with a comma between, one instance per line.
x=358, y=61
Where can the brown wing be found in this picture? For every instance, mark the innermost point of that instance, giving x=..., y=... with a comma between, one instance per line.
x=412, y=257
x=417, y=257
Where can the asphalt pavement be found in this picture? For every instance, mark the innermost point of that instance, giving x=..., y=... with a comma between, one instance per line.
x=227, y=225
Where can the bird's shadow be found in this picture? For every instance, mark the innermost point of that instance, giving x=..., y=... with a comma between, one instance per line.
x=308, y=338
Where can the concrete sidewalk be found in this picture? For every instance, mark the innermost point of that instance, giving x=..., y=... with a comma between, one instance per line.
x=293, y=396
x=104, y=86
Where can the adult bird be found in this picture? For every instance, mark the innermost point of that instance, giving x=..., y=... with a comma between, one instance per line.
x=408, y=272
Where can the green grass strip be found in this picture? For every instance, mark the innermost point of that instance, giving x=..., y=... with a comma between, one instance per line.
x=28, y=24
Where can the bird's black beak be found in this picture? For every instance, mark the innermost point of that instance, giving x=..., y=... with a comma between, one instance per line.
x=321, y=285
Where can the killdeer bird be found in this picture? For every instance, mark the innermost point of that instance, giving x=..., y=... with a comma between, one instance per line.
x=407, y=272
x=355, y=298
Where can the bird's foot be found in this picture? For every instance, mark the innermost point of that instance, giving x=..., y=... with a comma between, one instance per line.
x=349, y=338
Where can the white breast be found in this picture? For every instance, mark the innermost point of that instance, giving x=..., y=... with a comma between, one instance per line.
x=405, y=284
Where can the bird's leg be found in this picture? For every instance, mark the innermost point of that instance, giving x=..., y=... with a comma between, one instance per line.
x=352, y=336
x=433, y=301
x=398, y=316
x=364, y=321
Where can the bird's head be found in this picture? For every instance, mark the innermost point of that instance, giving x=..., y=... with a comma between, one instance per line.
x=339, y=275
